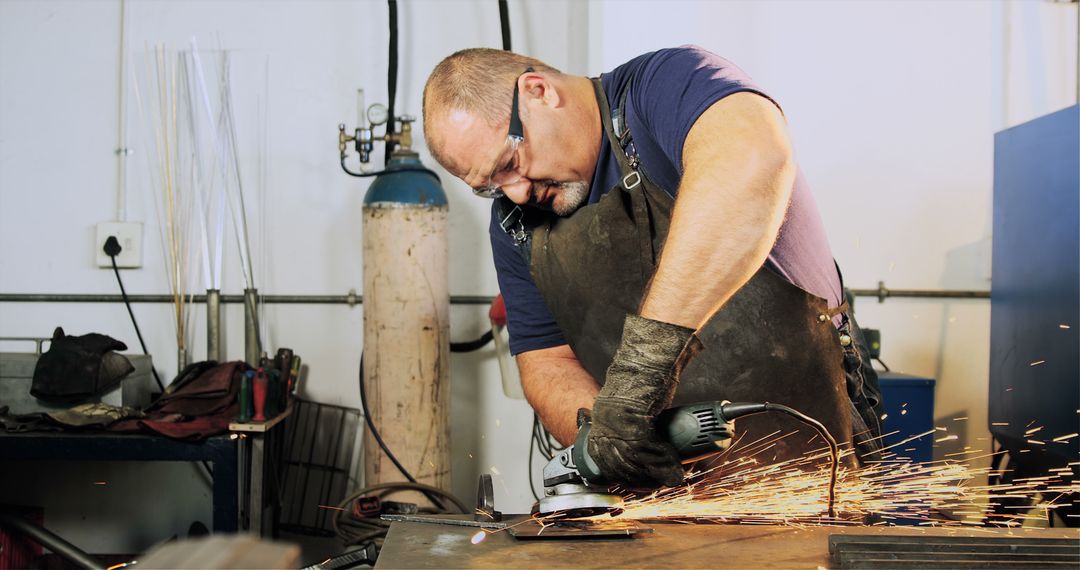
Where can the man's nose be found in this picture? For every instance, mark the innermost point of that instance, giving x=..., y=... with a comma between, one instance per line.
x=519, y=192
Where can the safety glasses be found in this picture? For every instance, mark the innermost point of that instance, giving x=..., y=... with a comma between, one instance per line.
x=504, y=172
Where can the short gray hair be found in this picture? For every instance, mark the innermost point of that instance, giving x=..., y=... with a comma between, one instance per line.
x=475, y=80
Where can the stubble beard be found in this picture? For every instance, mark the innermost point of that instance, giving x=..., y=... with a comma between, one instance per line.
x=570, y=197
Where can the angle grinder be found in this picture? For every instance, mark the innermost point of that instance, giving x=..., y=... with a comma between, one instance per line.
x=574, y=486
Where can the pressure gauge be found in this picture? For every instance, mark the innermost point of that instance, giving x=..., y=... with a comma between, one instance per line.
x=377, y=114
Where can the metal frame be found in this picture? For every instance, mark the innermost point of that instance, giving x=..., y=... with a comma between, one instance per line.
x=222, y=451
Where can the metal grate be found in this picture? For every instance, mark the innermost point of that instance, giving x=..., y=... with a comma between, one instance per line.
x=320, y=439
x=887, y=552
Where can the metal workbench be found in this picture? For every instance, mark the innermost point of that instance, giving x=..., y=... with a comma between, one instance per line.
x=221, y=451
x=670, y=545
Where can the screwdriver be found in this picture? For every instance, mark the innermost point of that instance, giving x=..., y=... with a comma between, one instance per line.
x=294, y=374
x=245, y=396
x=259, y=388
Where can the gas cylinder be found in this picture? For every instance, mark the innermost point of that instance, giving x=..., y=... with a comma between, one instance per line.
x=406, y=323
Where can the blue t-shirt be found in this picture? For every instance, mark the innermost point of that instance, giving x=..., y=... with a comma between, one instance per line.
x=671, y=88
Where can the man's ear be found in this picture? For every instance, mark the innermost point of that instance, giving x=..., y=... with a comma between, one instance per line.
x=538, y=87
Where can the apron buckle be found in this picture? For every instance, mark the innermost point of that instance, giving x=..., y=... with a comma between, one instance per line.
x=632, y=180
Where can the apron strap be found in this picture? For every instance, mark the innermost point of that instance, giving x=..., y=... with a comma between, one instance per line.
x=843, y=308
x=627, y=161
x=622, y=145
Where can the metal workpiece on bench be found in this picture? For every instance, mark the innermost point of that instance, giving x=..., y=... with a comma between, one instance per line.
x=528, y=527
x=670, y=545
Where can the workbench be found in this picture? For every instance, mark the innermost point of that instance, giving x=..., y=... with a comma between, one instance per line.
x=670, y=545
x=237, y=460
x=221, y=451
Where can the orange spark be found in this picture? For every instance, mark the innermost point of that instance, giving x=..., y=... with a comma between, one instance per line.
x=748, y=491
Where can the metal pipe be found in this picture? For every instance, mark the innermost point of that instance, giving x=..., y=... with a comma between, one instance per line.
x=49, y=540
x=881, y=293
x=213, y=325
x=251, y=327
x=350, y=299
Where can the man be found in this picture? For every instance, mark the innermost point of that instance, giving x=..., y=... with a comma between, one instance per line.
x=643, y=218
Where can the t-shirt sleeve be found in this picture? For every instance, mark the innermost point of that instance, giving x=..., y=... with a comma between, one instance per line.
x=531, y=325
x=675, y=86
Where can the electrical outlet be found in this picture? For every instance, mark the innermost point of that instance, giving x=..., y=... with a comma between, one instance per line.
x=129, y=234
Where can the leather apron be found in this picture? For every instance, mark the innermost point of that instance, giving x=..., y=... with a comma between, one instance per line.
x=771, y=342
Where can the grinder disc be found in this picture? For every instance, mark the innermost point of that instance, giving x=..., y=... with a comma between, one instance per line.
x=574, y=500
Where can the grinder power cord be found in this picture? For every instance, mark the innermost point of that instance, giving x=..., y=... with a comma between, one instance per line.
x=576, y=484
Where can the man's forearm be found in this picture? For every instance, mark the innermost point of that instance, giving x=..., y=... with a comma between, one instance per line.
x=737, y=180
x=556, y=385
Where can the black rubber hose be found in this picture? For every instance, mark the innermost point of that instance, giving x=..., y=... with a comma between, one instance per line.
x=472, y=345
x=50, y=540
x=391, y=75
x=504, y=22
x=388, y=172
x=386, y=449
x=738, y=410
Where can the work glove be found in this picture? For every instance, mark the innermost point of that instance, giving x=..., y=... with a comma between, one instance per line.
x=639, y=384
x=76, y=368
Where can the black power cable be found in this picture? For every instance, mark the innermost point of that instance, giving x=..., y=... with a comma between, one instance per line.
x=378, y=438
x=472, y=345
x=391, y=77
x=112, y=249
x=529, y=464
x=738, y=410
x=504, y=23
x=387, y=172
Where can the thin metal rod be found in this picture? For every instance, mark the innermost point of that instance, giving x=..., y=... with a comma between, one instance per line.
x=882, y=292
x=213, y=324
x=921, y=293
x=49, y=540
x=252, y=349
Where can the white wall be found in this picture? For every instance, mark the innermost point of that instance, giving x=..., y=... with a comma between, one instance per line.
x=892, y=106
